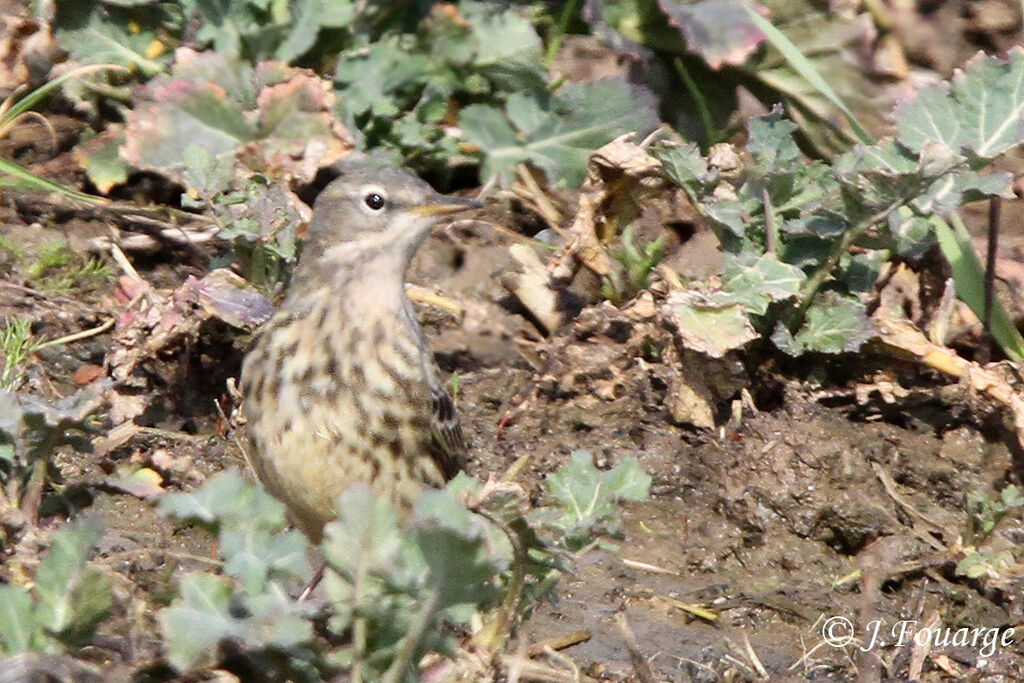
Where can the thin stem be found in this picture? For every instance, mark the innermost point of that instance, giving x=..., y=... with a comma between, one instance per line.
x=413, y=637
x=698, y=98
x=817, y=278
x=995, y=206
x=771, y=230
x=500, y=624
x=571, y=7
x=84, y=334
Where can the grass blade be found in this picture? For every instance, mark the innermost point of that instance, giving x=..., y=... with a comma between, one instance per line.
x=807, y=71
x=969, y=277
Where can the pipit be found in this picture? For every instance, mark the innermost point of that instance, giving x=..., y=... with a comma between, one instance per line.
x=341, y=386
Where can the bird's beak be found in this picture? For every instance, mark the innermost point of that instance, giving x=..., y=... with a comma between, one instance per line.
x=443, y=205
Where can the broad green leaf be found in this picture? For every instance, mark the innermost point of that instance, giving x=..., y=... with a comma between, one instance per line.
x=104, y=165
x=760, y=283
x=771, y=141
x=950, y=192
x=859, y=271
x=587, y=496
x=198, y=621
x=365, y=537
x=204, y=171
x=278, y=620
x=684, y=164
x=713, y=325
x=37, y=427
x=565, y=128
x=1011, y=496
x=382, y=78
x=18, y=627
x=95, y=34
x=255, y=555
x=979, y=112
x=833, y=324
x=889, y=174
x=72, y=598
x=214, y=500
x=458, y=567
x=501, y=37
x=270, y=118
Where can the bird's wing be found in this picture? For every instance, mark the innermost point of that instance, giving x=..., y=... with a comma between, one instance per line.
x=449, y=442
x=447, y=432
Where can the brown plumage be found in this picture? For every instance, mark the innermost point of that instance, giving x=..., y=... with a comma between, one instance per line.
x=341, y=386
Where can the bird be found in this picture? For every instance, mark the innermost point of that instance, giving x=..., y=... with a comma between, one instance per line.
x=340, y=386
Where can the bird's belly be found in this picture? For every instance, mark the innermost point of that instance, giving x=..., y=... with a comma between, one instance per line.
x=325, y=417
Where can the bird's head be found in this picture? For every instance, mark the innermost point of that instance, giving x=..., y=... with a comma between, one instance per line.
x=378, y=206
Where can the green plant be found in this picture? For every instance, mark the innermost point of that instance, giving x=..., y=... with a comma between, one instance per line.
x=406, y=78
x=984, y=515
x=637, y=262
x=15, y=249
x=13, y=111
x=31, y=430
x=791, y=223
x=556, y=132
x=390, y=586
x=17, y=345
x=258, y=216
x=56, y=269
x=59, y=613
x=695, y=54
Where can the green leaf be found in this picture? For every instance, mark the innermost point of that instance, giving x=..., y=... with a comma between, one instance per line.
x=771, y=141
x=72, y=598
x=365, y=538
x=587, y=496
x=277, y=620
x=969, y=275
x=381, y=78
x=833, y=324
x=683, y=163
x=888, y=174
x=806, y=69
x=458, y=566
x=38, y=427
x=564, y=129
x=198, y=621
x=18, y=627
x=270, y=117
x=105, y=167
x=216, y=499
x=760, y=283
x=206, y=172
x=711, y=324
x=253, y=555
x=95, y=34
x=1011, y=496
x=979, y=112
x=24, y=178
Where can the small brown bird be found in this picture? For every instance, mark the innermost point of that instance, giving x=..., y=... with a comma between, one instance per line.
x=341, y=386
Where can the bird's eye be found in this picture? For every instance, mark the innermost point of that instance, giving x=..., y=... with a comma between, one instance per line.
x=374, y=200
